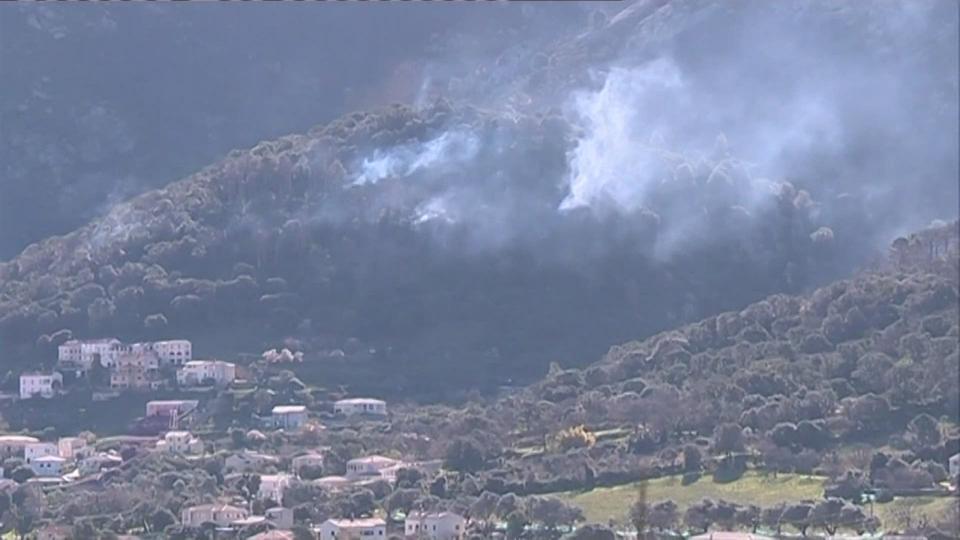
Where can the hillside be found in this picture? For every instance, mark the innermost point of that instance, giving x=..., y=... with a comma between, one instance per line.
x=820, y=382
x=423, y=236
x=586, y=183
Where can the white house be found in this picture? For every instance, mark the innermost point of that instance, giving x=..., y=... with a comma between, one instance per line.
x=272, y=486
x=435, y=526
x=200, y=372
x=36, y=450
x=954, y=467
x=249, y=461
x=289, y=416
x=48, y=466
x=14, y=445
x=73, y=448
x=352, y=406
x=371, y=467
x=306, y=460
x=84, y=353
x=44, y=385
x=220, y=514
x=353, y=529
x=180, y=442
x=332, y=482
x=171, y=407
x=175, y=352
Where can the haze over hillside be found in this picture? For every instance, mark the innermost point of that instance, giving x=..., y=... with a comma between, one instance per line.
x=603, y=174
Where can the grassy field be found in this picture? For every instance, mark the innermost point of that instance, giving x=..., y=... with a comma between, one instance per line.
x=604, y=504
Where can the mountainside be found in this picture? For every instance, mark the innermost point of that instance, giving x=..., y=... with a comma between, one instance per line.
x=448, y=244
x=858, y=381
x=583, y=187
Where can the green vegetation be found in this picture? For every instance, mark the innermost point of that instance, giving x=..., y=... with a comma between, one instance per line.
x=603, y=504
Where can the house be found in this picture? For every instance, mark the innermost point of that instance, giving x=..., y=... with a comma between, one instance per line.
x=954, y=467
x=45, y=385
x=171, y=407
x=54, y=532
x=48, y=466
x=435, y=526
x=312, y=460
x=219, y=514
x=136, y=370
x=14, y=445
x=73, y=448
x=95, y=463
x=289, y=416
x=371, y=467
x=175, y=352
x=352, y=529
x=36, y=450
x=353, y=406
x=203, y=372
x=249, y=461
x=332, y=482
x=273, y=535
x=180, y=442
x=280, y=517
x=272, y=486
x=83, y=354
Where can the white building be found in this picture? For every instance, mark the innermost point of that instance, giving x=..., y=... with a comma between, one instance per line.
x=272, y=486
x=201, y=372
x=371, y=467
x=219, y=514
x=954, y=467
x=180, y=442
x=171, y=407
x=44, y=385
x=73, y=448
x=85, y=353
x=435, y=526
x=174, y=352
x=313, y=460
x=48, y=466
x=36, y=450
x=14, y=445
x=249, y=461
x=352, y=406
x=289, y=416
x=353, y=529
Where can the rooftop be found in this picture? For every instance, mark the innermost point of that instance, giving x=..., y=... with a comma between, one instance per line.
x=375, y=460
x=357, y=523
x=49, y=459
x=361, y=401
x=285, y=409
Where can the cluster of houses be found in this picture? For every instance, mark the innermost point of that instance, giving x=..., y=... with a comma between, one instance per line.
x=131, y=366
x=420, y=525
x=66, y=459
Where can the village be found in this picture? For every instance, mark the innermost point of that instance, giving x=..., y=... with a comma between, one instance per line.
x=157, y=366
x=269, y=455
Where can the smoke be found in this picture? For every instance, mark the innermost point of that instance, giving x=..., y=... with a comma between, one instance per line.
x=449, y=149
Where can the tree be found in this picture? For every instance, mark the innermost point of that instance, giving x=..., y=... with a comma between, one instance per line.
x=772, y=517
x=552, y=512
x=728, y=438
x=826, y=515
x=698, y=516
x=924, y=431
x=798, y=516
x=748, y=516
x=161, y=519
x=663, y=516
x=464, y=455
x=692, y=458
x=22, y=474
x=516, y=523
